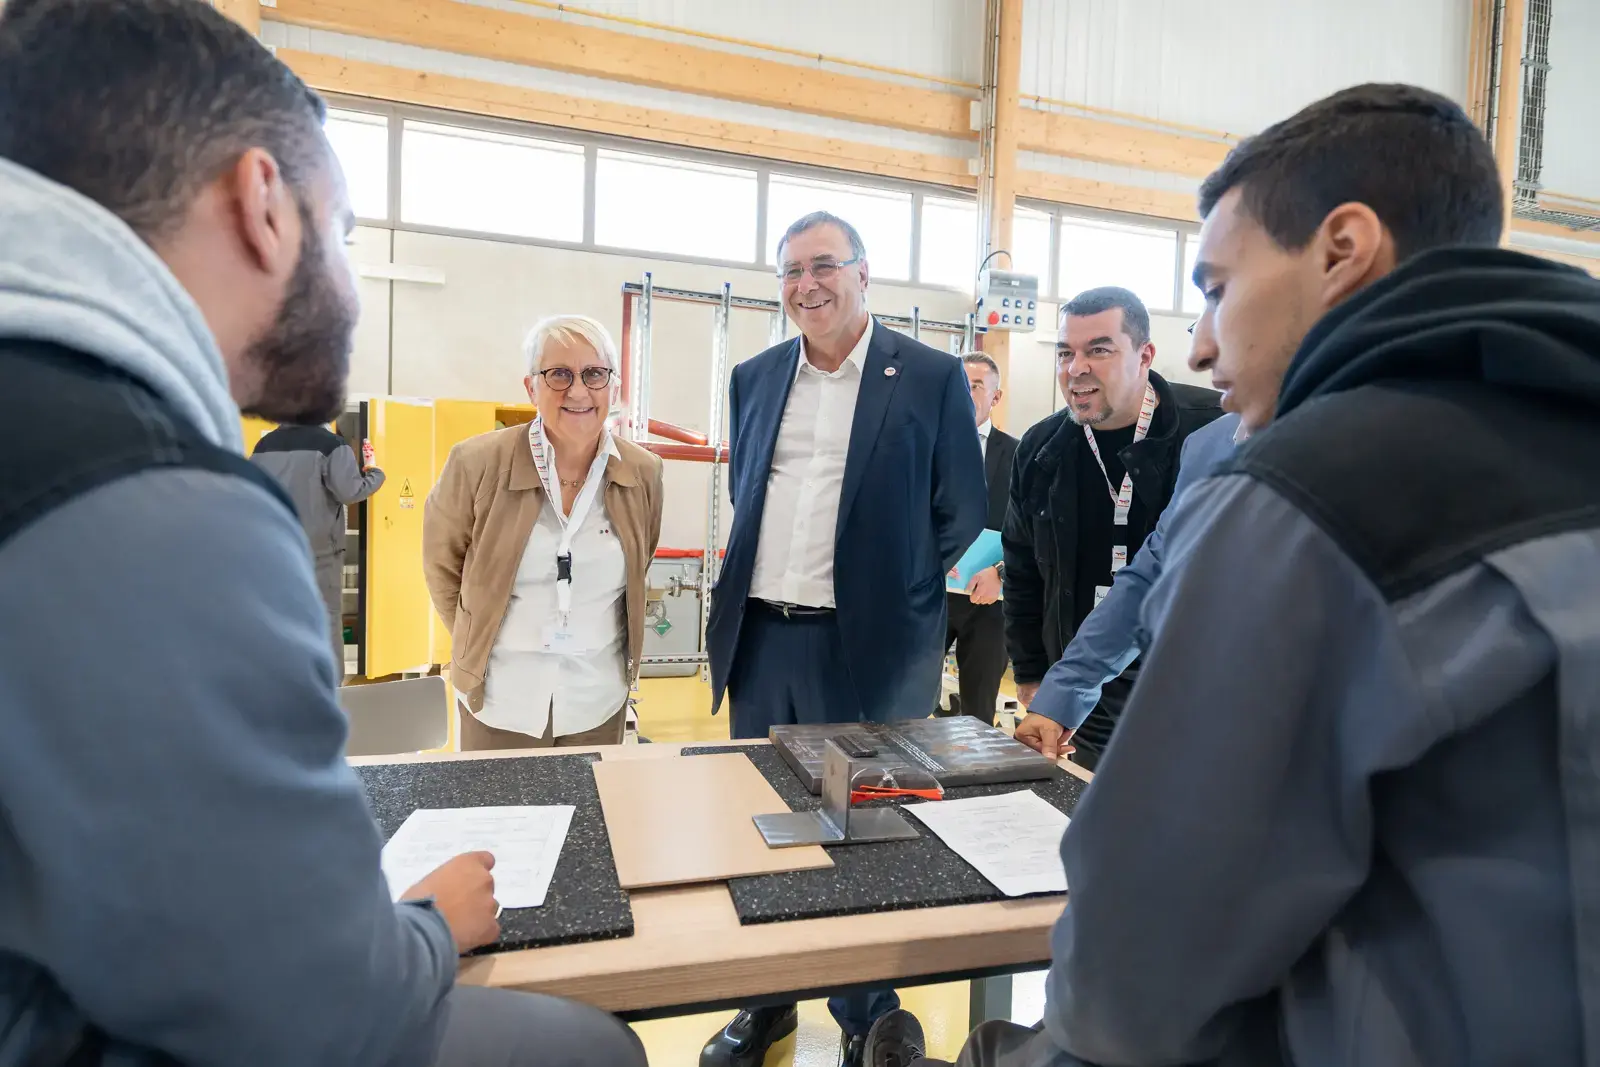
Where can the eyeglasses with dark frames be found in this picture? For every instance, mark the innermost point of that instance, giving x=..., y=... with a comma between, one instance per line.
x=821, y=269
x=561, y=378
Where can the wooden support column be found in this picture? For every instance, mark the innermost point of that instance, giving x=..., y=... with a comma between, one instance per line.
x=1001, y=189
x=246, y=13
x=1508, y=120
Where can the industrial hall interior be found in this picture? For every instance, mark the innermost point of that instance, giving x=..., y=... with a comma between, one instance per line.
x=872, y=533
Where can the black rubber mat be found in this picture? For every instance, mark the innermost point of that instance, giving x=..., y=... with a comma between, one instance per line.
x=585, y=902
x=885, y=876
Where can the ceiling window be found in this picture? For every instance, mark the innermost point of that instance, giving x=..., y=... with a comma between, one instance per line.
x=361, y=141
x=1139, y=258
x=949, y=254
x=464, y=179
x=881, y=216
x=681, y=207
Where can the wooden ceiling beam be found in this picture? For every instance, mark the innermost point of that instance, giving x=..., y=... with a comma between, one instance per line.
x=470, y=96
x=1119, y=143
x=1107, y=196
x=246, y=13
x=512, y=37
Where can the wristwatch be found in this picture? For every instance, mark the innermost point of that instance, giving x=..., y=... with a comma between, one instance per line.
x=1000, y=569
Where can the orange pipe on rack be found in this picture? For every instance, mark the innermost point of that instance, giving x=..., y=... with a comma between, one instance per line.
x=673, y=432
x=693, y=453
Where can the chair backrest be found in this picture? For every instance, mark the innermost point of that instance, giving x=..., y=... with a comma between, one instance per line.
x=392, y=717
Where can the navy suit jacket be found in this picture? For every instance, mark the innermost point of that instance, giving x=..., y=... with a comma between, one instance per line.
x=913, y=501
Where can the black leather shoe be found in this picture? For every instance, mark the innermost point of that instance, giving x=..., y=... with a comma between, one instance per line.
x=851, y=1051
x=895, y=1040
x=745, y=1041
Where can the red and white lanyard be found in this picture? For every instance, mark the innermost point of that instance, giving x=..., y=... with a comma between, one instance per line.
x=1122, y=501
x=544, y=459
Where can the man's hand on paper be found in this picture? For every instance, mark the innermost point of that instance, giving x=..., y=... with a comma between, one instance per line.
x=1026, y=691
x=1045, y=736
x=985, y=586
x=463, y=892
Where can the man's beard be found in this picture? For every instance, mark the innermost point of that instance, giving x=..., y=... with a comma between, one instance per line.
x=303, y=360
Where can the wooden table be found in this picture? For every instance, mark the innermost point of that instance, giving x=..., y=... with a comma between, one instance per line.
x=689, y=953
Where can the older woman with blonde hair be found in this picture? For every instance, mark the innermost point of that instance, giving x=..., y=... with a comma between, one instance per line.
x=536, y=542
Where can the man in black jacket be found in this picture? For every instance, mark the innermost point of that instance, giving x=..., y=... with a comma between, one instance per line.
x=1087, y=486
x=977, y=623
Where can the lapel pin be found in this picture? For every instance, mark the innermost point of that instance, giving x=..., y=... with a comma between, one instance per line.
x=888, y=372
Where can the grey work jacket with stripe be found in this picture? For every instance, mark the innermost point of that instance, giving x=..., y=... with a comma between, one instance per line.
x=318, y=469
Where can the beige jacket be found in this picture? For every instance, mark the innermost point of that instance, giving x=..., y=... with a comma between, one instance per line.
x=476, y=525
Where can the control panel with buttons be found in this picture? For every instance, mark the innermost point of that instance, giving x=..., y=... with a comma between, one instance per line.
x=1007, y=300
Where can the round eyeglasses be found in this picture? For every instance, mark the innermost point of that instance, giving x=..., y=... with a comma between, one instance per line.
x=561, y=378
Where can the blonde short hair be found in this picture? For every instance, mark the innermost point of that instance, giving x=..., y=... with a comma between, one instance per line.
x=567, y=329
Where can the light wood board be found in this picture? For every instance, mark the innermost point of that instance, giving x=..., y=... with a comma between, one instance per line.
x=687, y=819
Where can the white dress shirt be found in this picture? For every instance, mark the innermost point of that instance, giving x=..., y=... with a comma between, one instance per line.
x=983, y=436
x=794, y=555
x=586, y=683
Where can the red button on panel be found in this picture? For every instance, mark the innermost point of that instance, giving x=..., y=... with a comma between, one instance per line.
x=994, y=318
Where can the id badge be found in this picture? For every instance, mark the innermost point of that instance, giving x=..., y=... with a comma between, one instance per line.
x=1100, y=593
x=562, y=640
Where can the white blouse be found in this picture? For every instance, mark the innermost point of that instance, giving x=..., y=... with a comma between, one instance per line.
x=577, y=672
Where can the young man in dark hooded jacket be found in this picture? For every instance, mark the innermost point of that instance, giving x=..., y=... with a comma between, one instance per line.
x=1352, y=812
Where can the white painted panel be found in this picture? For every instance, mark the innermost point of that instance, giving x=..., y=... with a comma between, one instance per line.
x=463, y=339
x=369, y=362
x=939, y=38
x=1237, y=65
x=1571, y=149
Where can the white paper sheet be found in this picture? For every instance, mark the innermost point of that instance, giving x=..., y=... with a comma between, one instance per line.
x=526, y=843
x=1013, y=840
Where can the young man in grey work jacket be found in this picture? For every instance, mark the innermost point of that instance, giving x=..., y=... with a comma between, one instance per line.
x=1295, y=850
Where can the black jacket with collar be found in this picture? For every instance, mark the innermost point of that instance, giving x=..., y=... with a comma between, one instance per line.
x=1041, y=535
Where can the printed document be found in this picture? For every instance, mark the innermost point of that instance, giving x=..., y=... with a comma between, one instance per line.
x=1013, y=840
x=526, y=843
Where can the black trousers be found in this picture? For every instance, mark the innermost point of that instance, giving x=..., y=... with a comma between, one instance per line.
x=979, y=633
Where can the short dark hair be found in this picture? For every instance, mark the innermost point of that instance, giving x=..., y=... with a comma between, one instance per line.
x=1412, y=156
x=138, y=104
x=1135, y=316
x=987, y=361
x=858, y=250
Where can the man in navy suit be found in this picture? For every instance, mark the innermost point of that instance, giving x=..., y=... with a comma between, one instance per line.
x=857, y=483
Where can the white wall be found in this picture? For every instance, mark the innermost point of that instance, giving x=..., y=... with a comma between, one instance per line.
x=1571, y=149
x=1237, y=65
x=462, y=339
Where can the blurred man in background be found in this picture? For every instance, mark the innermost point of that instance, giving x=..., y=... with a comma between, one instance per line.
x=318, y=469
x=977, y=625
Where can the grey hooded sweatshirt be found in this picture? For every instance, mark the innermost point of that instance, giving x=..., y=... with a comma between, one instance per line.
x=1351, y=816
x=188, y=869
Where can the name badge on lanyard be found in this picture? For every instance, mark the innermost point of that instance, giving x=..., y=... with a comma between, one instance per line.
x=1121, y=499
x=561, y=637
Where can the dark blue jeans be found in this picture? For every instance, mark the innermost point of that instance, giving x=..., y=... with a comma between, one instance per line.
x=789, y=671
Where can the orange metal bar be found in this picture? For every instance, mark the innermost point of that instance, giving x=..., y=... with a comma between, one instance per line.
x=673, y=432
x=693, y=453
